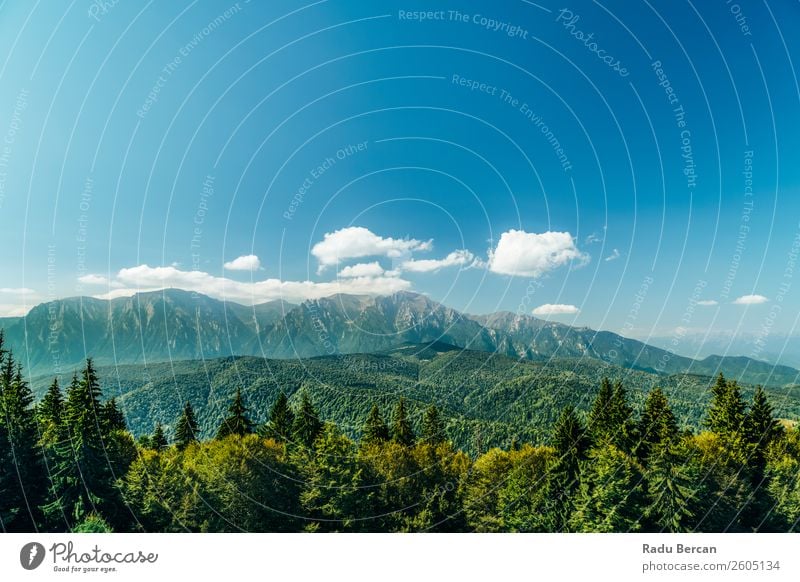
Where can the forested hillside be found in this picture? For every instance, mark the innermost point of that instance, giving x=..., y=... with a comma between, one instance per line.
x=485, y=399
x=69, y=462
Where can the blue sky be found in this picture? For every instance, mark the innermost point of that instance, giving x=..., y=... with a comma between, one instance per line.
x=591, y=162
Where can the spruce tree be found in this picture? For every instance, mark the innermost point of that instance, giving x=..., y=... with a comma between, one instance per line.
x=657, y=426
x=307, y=425
x=186, y=430
x=600, y=421
x=82, y=478
x=26, y=488
x=610, y=497
x=8, y=509
x=726, y=413
x=50, y=410
x=281, y=420
x=433, y=426
x=670, y=495
x=112, y=417
x=402, y=432
x=571, y=444
x=158, y=441
x=375, y=430
x=761, y=427
x=237, y=421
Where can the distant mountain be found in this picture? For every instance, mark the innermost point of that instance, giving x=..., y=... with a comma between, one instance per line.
x=533, y=338
x=773, y=348
x=156, y=326
x=174, y=325
x=362, y=324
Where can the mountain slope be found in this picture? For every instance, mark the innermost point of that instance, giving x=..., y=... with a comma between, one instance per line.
x=174, y=325
x=486, y=399
x=359, y=324
x=156, y=326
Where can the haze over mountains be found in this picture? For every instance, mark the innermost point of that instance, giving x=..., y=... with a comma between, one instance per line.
x=56, y=337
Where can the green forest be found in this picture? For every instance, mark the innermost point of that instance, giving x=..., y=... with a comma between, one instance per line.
x=68, y=463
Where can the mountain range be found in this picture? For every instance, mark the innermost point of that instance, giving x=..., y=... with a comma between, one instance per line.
x=172, y=324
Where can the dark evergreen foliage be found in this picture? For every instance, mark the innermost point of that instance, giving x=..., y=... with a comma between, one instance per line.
x=186, y=430
x=281, y=420
x=741, y=477
x=402, y=432
x=433, y=431
x=237, y=421
x=307, y=425
x=375, y=430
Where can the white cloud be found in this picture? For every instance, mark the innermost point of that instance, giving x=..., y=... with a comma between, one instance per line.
x=17, y=301
x=529, y=254
x=556, y=309
x=146, y=278
x=707, y=302
x=593, y=238
x=456, y=258
x=243, y=263
x=356, y=242
x=13, y=310
x=750, y=300
x=613, y=256
x=362, y=270
x=17, y=291
x=91, y=279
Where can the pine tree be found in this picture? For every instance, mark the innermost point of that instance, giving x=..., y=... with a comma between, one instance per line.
x=571, y=444
x=621, y=416
x=610, y=498
x=281, y=420
x=433, y=431
x=657, y=426
x=669, y=491
x=50, y=411
x=402, y=432
x=237, y=421
x=186, y=430
x=8, y=509
x=307, y=425
x=82, y=478
x=726, y=413
x=158, y=441
x=112, y=417
x=600, y=422
x=761, y=427
x=375, y=430
x=26, y=488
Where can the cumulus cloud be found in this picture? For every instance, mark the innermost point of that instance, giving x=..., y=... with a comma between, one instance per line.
x=243, y=263
x=556, y=309
x=91, y=279
x=355, y=242
x=373, y=269
x=707, y=302
x=750, y=300
x=532, y=255
x=613, y=256
x=146, y=278
x=454, y=259
x=16, y=291
x=17, y=301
